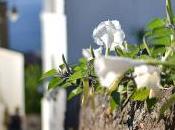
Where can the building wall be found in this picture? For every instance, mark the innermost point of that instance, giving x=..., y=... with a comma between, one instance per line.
x=12, y=80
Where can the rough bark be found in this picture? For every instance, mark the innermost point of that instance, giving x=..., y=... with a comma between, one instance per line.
x=133, y=117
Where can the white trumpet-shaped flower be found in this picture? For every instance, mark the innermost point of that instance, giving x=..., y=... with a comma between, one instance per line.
x=110, y=68
x=88, y=54
x=109, y=34
x=147, y=76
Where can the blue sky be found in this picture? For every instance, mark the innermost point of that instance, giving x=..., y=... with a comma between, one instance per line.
x=25, y=34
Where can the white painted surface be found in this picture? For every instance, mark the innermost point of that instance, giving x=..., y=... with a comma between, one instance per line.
x=2, y=110
x=55, y=6
x=58, y=111
x=54, y=40
x=53, y=110
x=46, y=112
x=12, y=80
x=54, y=45
x=54, y=33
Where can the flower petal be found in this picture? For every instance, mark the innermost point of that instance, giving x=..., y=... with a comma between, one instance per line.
x=86, y=53
x=108, y=33
x=147, y=76
x=110, y=68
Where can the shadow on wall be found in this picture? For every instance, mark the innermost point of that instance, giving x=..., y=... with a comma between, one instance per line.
x=84, y=15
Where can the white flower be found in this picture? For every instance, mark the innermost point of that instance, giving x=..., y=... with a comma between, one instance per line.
x=110, y=68
x=147, y=76
x=155, y=93
x=109, y=34
x=87, y=53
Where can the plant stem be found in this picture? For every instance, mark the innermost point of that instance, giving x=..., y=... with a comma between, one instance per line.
x=146, y=46
x=92, y=52
x=169, y=12
x=157, y=62
x=107, y=52
x=66, y=65
x=85, y=91
x=169, y=51
x=170, y=16
x=167, y=54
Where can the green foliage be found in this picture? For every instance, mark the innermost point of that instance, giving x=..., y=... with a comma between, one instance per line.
x=115, y=100
x=157, y=49
x=160, y=36
x=49, y=73
x=32, y=96
x=141, y=94
x=55, y=82
x=151, y=103
x=132, y=51
x=156, y=23
x=75, y=76
x=169, y=12
x=75, y=92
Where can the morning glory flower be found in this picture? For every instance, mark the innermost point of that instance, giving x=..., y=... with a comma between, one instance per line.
x=111, y=68
x=109, y=34
x=147, y=76
x=88, y=55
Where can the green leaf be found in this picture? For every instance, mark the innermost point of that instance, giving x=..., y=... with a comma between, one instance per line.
x=83, y=61
x=75, y=92
x=141, y=94
x=49, y=73
x=158, y=32
x=122, y=89
x=160, y=36
x=66, y=85
x=172, y=77
x=171, y=58
x=81, y=68
x=75, y=76
x=145, y=57
x=133, y=50
x=77, y=68
x=167, y=104
x=156, y=23
x=114, y=100
x=55, y=82
x=166, y=41
x=158, y=51
x=151, y=103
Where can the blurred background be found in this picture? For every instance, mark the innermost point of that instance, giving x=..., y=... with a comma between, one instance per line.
x=35, y=33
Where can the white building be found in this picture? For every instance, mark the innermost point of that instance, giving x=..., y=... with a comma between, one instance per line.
x=54, y=33
x=54, y=45
x=12, y=80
